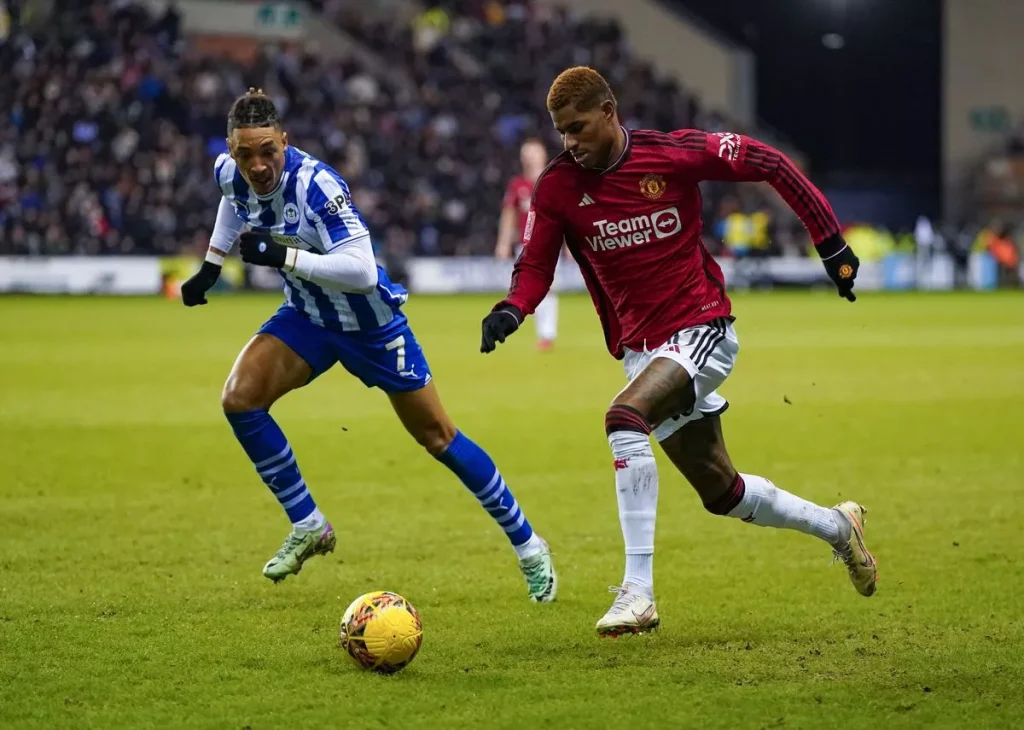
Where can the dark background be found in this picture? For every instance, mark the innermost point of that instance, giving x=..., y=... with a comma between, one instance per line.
x=866, y=115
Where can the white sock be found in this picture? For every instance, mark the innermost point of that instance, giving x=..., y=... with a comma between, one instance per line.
x=636, y=487
x=640, y=573
x=529, y=548
x=545, y=317
x=315, y=521
x=765, y=504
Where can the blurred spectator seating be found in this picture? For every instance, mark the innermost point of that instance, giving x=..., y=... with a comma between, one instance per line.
x=115, y=121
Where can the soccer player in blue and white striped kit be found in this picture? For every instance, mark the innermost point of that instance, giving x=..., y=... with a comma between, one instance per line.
x=291, y=212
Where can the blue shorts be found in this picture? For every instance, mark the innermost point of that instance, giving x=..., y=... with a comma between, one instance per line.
x=388, y=358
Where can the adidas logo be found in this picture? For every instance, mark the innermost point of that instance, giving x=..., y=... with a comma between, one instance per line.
x=587, y=200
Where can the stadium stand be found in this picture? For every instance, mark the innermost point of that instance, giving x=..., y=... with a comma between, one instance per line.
x=116, y=119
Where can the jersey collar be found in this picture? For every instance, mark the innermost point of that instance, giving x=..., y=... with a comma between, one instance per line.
x=273, y=193
x=621, y=159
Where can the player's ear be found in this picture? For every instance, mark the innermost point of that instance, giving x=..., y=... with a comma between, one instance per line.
x=284, y=139
x=608, y=109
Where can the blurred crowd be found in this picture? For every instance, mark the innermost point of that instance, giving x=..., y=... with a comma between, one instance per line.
x=101, y=151
x=114, y=121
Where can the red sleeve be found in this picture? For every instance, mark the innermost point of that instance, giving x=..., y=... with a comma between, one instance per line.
x=542, y=242
x=510, y=199
x=732, y=157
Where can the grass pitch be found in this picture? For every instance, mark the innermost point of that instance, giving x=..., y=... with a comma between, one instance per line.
x=133, y=530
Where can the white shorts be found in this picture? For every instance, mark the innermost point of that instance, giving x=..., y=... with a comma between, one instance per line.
x=708, y=353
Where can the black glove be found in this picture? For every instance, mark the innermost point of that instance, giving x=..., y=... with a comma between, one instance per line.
x=841, y=263
x=499, y=324
x=260, y=248
x=193, y=291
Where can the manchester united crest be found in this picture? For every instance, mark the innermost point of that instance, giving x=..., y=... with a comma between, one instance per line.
x=845, y=271
x=652, y=186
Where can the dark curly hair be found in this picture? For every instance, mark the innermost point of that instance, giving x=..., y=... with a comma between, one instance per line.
x=253, y=109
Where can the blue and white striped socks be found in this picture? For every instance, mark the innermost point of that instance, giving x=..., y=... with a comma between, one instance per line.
x=474, y=467
x=274, y=460
x=268, y=449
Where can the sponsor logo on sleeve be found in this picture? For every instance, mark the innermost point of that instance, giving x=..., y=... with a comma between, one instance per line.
x=336, y=205
x=531, y=217
x=728, y=146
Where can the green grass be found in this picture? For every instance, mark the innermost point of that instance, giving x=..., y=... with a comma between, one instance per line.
x=133, y=530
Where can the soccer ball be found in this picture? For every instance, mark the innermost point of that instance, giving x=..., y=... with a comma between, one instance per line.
x=381, y=631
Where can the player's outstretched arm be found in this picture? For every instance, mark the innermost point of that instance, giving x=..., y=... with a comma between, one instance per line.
x=349, y=264
x=533, y=273
x=225, y=231
x=727, y=156
x=350, y=267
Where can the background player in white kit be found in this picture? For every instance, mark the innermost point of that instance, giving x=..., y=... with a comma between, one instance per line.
x=514, y=208
x=340, y=307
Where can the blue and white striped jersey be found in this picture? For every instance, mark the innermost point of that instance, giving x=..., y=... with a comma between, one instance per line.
x=311, y=209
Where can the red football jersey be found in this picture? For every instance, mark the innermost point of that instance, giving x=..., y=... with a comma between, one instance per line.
x=517, y=196
x=635, y=230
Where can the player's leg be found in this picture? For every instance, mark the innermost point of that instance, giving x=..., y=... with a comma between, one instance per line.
x=663, y=389
x=660, y=389
x=424, y=417
x=394, y=362
x=698, y=451
x=546, y=320
x=265, y=370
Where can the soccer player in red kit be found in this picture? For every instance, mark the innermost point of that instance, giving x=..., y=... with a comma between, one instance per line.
x=514, y=208
x=627, y=204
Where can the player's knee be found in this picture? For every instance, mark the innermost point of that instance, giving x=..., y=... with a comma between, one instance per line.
x=719, y=492
x=435, y=436
x=625, y=416
x=239, y=396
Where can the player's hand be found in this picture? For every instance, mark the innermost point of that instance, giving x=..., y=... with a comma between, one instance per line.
x=841, y=266
x=193, y=291
x=498, y=325
x=260, y=248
